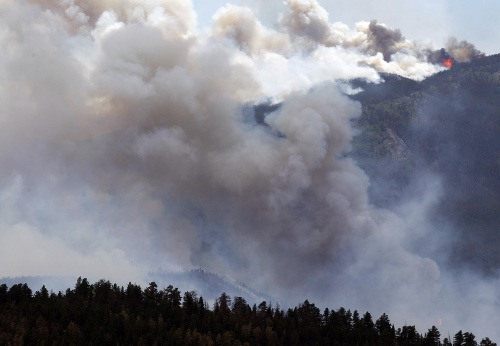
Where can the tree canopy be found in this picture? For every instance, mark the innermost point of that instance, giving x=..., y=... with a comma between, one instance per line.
x=104, y=313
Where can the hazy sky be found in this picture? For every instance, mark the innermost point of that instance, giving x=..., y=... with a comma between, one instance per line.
x=435, y=20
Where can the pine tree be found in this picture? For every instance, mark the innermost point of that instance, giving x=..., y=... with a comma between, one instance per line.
x=469, y=339
x=458, y=340
x=432, y=337
x=408, y=336
x=487, y=342
x=386, y=332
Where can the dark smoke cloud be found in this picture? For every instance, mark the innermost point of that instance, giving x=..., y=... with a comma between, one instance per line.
x=458, y=51
x=384, y=39
x=463, y=50
x=124, y=148
x=438, y=56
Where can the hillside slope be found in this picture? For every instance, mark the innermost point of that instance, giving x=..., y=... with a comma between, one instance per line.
x=447, y=126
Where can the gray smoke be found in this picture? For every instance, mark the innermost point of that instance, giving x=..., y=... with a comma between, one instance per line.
x=384, y=39
x=463, y=50
x=125, y=147
x=309, y=20
x=438, y=56
x=459, y=51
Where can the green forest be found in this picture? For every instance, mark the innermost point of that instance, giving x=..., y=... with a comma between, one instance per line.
x=107, y=314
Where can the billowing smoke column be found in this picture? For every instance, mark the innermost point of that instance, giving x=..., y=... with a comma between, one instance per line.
x=125, y=148
x=384, y=39
x=463, y=50
x=455, y=51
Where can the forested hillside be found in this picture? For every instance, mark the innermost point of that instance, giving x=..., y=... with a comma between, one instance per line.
x=107, y=314
x=447, y=126
x=469, y=90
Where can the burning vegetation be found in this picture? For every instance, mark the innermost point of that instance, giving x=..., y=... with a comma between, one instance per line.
x=448, y=62
x=455, y=51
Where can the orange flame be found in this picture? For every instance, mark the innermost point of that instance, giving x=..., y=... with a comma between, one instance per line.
x=448, y=63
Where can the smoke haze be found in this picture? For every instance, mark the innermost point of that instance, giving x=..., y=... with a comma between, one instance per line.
x=125, y=147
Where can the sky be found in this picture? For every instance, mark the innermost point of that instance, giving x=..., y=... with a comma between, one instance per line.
x=128, y=145
x=426, y=20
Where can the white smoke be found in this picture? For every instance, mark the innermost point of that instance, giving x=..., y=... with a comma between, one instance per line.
x=124, y=148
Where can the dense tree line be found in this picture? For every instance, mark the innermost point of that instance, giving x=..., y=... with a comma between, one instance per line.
x=104, y=313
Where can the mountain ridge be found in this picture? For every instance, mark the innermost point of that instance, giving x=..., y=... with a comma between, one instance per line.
x=450, y=123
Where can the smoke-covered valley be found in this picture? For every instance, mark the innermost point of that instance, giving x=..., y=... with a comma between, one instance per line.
x=131, y=141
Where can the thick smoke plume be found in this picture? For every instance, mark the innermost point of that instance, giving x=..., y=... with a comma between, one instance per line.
x=126, y=146
x=458, y=51
x=463, y=50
